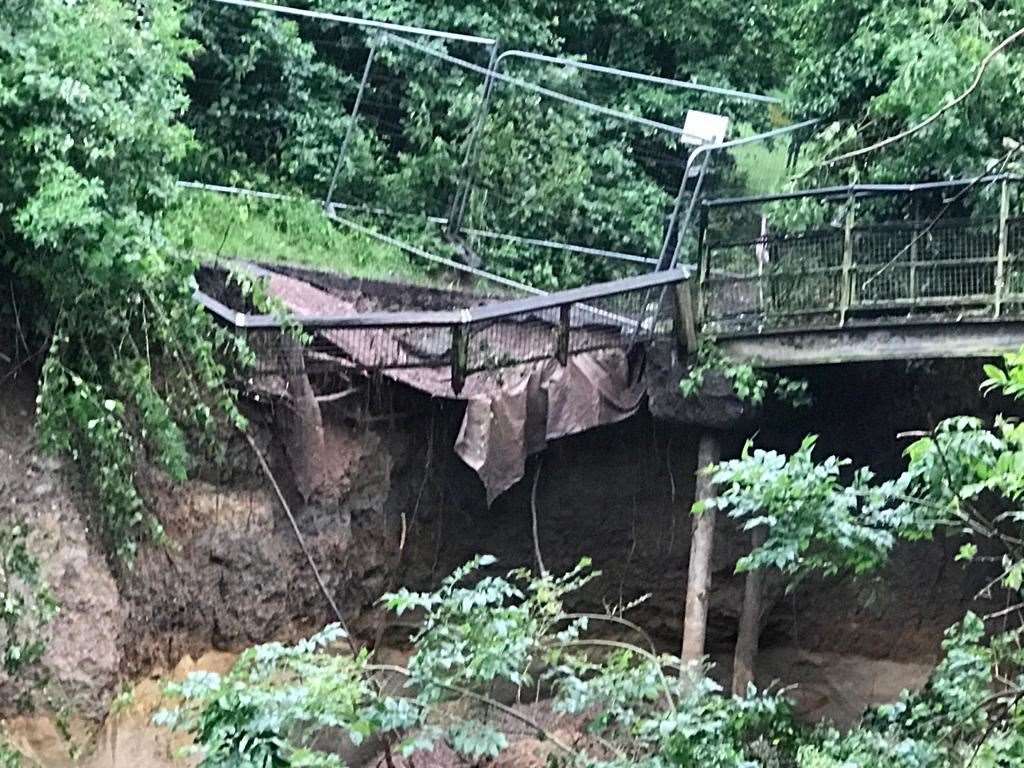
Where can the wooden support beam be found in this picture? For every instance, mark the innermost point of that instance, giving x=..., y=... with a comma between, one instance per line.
x=562, y=340
x=686, y=320
x=698, y=583
x=745, y=658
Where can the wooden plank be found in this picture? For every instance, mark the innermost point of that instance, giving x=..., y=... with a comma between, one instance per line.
x=964, y=340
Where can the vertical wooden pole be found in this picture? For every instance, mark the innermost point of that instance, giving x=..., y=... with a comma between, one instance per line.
x=745, y=658
x=914, y=252
x=562, y=338
x=846, y=289
x=1004, y=215
x=460, y=356
x=698, y=583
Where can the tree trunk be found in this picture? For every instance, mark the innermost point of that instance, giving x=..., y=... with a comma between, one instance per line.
x=698, y=583
x=750, y=624
x=303, y=427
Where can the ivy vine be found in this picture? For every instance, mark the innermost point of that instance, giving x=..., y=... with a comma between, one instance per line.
x=90, y=104
x=748, y=383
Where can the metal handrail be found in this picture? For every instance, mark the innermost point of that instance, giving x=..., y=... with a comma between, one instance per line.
x=434, y=319
x=359, y=22
x=629, y=74
x=861, y=190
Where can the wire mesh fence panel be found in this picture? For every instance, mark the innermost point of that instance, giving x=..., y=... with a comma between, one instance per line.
x=885, y=252
x=1014, y=268
x=782, y=280
x=523, y=338
x=885, y=272
x=620, y=320
x=958, y=262
x=454, y=345
x=364, y=348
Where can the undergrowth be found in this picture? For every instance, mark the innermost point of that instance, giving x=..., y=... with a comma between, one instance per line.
x=749, y=384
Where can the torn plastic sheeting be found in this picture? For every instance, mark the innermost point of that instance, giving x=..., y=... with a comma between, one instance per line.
x=510, y=414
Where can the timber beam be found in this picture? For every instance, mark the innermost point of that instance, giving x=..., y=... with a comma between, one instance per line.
x=909, y=341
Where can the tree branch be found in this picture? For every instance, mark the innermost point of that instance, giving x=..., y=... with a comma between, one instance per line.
x=989, y=57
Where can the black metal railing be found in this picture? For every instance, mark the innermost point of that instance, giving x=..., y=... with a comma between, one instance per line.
x=617, y=314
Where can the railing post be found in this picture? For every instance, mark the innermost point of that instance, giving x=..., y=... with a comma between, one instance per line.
x=460, y=356
x=703, y=267
x=846, y=289
x=1004, y=216
x=353, y=119
x=562, y=341
x=916, y=214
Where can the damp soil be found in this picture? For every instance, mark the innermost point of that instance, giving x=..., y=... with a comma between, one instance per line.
x=401, y=509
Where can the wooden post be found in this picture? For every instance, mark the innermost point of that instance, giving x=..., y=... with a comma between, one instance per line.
x=1004, y=215
x=562, y=341
x=460, y=356
x=745, y=658
x=698, y=583
x=916, y=214
x=846, y=289
x=686, y=325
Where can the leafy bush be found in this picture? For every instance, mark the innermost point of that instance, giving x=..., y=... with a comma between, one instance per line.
x=628, y=705
x=478, y=631
x=90, y=96
x=749, y=384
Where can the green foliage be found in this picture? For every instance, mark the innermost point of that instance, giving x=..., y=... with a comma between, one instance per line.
x=633, y=706
x=26, y=604
x=90, y=96
x=940, y=724
x=271, y=99
x=748, y=383
x=965, y=478
x=477, y=631
x=273, y=694
x=814, y=520
x=871, y=69
x=9, y=756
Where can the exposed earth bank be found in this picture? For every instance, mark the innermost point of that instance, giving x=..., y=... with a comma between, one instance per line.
x=235, y=575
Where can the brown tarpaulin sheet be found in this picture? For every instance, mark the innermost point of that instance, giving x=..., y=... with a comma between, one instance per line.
x=511, y=413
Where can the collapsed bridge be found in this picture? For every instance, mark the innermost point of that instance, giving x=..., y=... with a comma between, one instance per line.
x=668, y=231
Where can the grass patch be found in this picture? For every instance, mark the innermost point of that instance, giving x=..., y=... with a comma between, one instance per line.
x=283, y=231
x=761, y=166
